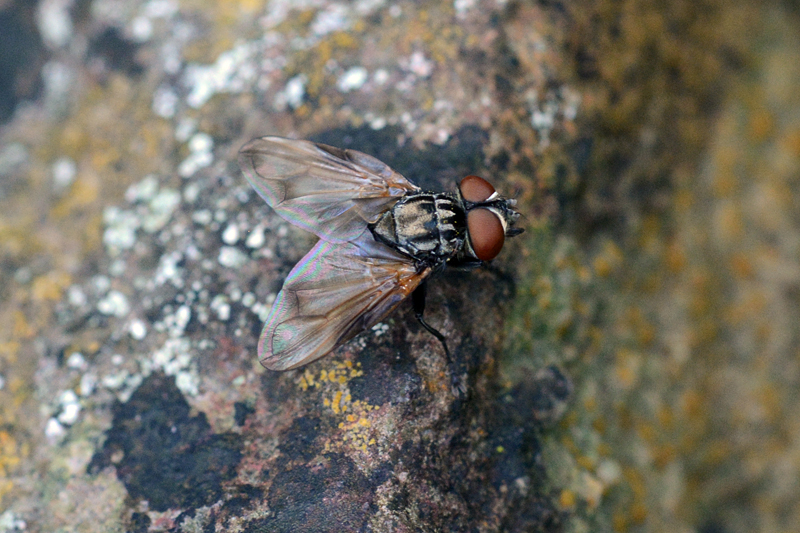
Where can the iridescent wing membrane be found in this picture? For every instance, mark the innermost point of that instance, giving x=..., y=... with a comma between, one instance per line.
x=348, y=281
x=328, y=191
x=335, y=292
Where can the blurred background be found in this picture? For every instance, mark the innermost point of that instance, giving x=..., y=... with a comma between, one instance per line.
x=654, y=147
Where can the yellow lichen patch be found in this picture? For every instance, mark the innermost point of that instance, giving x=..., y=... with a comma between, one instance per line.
x=8, y=351
x=762, y=124
x=675, y=257
x=585, y=462
x=338, y=403
x=791, y=142
x=343, y=39
x=566, y=499
x=353, y=416
x=50, y=286
x=340, y=374
x=307, y=380
x=83, y=193
x=620, y=521
x=627, y=368
x=251, y=6
x=608, y=260
x=356, y=427
x=21, y=328
x=9, y=459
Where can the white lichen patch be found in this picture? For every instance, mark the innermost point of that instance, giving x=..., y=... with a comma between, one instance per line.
x=77, y=361
x=88, y=384
x=101, y=284
x=162, y=205
x=64, y=172
x=137, y=329
x=249, y=299
x=54, y=22
x=115, y=380
x=70, y=408
x=261, y=310
x=232, y=72
x=202, y=217
x=10, y=523
x=231, y=257
x=168, y=270
x=115, y=303
x=76, y=297
x=256, y=239
x=120, y=232
x=221, y=307
x=333, y=17
x=380, y=328
x=152, y=210
x=231, y=235
x=418, y=64
x=353, y=79
x=176, y=323
x=144, y=191
x=53, y=429
x=293, y=94
x=547, y=110
x=201, y=155
x=174, y=359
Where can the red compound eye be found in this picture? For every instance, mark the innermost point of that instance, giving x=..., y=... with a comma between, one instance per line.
x=475, y=189
x=486, y=232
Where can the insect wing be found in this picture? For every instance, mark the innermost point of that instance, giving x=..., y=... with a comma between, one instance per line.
x=335, y=292
x=331, y=192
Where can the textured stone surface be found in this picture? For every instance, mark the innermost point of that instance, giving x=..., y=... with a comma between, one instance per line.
x=630, y=360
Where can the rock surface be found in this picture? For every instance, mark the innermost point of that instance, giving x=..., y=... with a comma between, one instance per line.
x=629, y=363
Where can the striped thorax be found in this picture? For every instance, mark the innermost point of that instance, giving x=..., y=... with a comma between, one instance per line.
x=429, y=227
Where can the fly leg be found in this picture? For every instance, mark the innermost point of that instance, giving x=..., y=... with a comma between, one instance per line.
x=418, y=301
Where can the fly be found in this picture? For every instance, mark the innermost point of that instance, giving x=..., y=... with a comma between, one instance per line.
x=380, y=238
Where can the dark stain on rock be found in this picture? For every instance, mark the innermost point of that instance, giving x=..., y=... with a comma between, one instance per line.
x=329, y=495
x=474, y=473
x=436, y=168
x=242, y=499
x=241, y=411
x=139, y=523
x=21, y=55
x=274, y=388
x=389, y=372
x=116, y=52
x=162, y=453
x=297, y=442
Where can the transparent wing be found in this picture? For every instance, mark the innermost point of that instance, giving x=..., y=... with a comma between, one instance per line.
x=335, y=292
x=331, y=192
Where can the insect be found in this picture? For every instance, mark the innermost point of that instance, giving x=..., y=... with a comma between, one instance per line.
x=380, y=238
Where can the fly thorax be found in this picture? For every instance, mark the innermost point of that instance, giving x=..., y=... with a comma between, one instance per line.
x=424, y=226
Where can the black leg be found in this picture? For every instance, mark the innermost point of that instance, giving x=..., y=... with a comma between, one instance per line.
x=418, y=301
